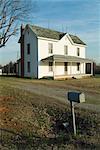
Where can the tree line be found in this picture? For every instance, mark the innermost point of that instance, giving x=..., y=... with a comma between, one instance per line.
x=9, y=68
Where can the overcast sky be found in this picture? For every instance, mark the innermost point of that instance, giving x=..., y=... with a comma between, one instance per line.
x=78, y=17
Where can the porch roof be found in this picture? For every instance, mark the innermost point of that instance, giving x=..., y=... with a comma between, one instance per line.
x=63, y=58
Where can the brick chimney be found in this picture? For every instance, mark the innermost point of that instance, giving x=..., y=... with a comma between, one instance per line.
x=22, y=50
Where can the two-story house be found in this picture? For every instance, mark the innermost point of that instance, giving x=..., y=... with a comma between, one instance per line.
x=49, y=53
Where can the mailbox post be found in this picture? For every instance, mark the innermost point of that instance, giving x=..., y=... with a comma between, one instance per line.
x=73, y=117
x=75, y=97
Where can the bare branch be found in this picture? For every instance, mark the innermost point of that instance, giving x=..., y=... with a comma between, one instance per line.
x=11, y=13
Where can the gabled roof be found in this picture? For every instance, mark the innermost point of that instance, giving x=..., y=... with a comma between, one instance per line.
x=48, y=33
x=76, y=39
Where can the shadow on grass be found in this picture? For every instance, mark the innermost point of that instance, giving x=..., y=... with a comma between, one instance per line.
x=62, y=139
x=59, y=138
x=19, y=141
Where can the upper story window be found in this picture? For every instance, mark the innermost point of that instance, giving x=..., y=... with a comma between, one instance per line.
x=78, y=51
x=50, y=47
x=28, y=66
x=28, y=48
x=50, y=66
x=65, y=50
x=78, y=66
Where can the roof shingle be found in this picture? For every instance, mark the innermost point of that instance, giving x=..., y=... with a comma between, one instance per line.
x=63, y=58
x=48, y=33
x=76, y=39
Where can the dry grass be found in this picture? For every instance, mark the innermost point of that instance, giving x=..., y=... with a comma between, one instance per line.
x=90, y=86
x=31, y=121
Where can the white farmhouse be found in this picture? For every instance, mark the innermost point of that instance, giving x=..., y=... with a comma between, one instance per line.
x=49, y=53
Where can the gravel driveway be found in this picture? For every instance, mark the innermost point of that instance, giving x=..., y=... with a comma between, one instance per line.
x=53, y=92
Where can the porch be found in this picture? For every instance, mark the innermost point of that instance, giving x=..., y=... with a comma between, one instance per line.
x=74, y=76
x=69, y=66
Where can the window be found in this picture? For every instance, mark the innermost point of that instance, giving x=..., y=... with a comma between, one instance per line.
x=28, y=66
x=50, y=45
x=66, y=50
x=50, y=66
x=78, y=51
x=65, y=65
x=28, y=48
x=78, y=66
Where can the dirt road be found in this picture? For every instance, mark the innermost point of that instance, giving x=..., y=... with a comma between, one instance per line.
x=54, y=92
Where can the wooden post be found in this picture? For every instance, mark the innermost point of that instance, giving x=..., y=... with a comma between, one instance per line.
x=83, y=68
x=73, y=117
x=92, y=68
x=70, y=68
x=54, y=69
x=80, y=67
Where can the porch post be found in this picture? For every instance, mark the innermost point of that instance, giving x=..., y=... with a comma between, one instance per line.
x=83, y=68
x=70, y=68
x=54, y=69
x=92, y=68
x=80, y=67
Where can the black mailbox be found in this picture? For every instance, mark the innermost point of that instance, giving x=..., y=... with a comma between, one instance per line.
x=76, y=97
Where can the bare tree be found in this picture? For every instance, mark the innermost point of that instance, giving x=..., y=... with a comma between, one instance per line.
x=11, y=13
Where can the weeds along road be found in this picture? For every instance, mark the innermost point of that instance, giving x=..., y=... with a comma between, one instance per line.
x=56, y=92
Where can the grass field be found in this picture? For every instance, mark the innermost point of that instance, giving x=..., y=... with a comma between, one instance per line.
x=90, y=86
x=32, y=121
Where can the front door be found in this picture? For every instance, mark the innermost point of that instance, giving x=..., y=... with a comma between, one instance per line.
x=88, y=68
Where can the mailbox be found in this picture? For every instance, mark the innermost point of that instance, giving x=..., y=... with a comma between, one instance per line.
x=76, y=97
